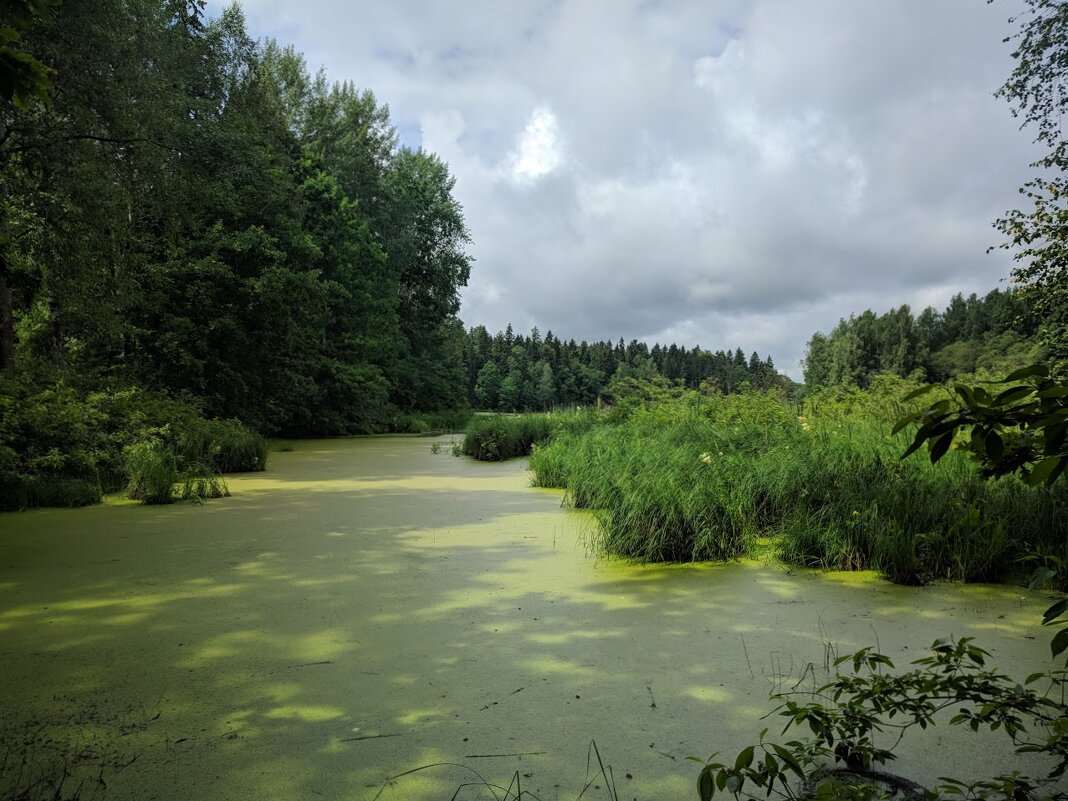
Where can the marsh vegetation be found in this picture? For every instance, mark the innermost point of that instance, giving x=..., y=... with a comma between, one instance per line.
x=680, y=475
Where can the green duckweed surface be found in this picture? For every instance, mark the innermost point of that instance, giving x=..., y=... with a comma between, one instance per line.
x=367, y=607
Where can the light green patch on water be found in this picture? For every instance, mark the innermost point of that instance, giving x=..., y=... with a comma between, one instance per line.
x=367, y=607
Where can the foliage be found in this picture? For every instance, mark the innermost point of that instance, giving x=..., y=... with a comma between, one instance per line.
x=63, y=444
x=677, y=475
x=993, y=333
x=23, y=78
x=195, y=212
x=1020, y=429
x=511, y=372
x=857, y=720
x=159, y=474
x=1037, y=92
x=430, y=423
x=492, y=438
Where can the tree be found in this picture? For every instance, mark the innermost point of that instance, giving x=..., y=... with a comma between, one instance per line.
x=544, y=389
x=1038, y=93
x=488, y=386
x=511, y=392
x=23, y=78
x=424, y=239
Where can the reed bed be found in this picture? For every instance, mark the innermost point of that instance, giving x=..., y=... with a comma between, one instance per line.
x=698, y=478
x=495, y=437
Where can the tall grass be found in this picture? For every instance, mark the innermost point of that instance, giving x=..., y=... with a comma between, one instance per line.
x=495, y=437
x=225, y=445
x=159, y=474
x=701, y=478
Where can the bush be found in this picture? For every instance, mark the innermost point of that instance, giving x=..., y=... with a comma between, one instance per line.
x=856, y=720
x=225, y=445
x=65, y=444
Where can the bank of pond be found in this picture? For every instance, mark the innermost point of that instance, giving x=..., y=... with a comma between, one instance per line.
x=685, y=476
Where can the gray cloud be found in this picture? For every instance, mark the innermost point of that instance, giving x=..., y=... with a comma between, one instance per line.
x=724, y=174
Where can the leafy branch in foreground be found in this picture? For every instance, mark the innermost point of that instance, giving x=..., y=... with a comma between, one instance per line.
x=1021, y=429
x=848, y=717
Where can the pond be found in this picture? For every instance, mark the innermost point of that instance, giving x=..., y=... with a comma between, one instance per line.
x=367, y=607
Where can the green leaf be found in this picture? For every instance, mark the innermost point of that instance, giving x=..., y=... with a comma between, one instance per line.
x=1012, y=395
x=789, y=759
x=995, y=445
x=903, y=423
x=1060, y=642
x=1054, y=612
x=770, y=764
x=706, y=786
x=734, y=784
x=915, y=446
x=940, y=446
x=745, y=758
x=1043, y=471
x=916, y=393
x=1026, y=372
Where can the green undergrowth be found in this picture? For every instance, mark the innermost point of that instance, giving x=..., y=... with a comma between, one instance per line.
x=63, y=444
x=695, y=477
x=494, y=437
x=431, y=423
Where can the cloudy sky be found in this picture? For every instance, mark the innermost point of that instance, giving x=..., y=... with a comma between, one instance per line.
x=713, y=173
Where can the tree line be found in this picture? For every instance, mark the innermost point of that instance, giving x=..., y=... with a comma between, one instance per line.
x=513, y=372
x=191, y=210
x=996, y=332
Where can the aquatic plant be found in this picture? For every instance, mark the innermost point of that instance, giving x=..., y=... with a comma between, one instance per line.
x=159, y=474
x=492, y=438
x=700, y=477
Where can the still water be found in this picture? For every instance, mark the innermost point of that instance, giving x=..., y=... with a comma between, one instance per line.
x=367, y=607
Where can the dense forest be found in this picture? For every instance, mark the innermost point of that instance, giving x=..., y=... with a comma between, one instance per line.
x=196, y=213
x=513, y=372
x=994, y=333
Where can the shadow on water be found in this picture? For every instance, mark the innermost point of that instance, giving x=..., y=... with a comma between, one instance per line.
x=309, y=637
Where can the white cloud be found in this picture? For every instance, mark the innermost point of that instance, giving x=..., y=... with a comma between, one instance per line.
x=538, y=151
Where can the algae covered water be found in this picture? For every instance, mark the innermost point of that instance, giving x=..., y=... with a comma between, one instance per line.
x=368, y=607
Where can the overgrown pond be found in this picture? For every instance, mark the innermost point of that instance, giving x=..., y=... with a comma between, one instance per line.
x=367, y=606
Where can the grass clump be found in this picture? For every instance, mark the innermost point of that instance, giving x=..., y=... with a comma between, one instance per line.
x=225, y=445
x=160, y=474
x=495, y=437
x=703, y=476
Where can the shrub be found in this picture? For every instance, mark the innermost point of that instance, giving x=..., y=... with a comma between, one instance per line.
x=64, y=444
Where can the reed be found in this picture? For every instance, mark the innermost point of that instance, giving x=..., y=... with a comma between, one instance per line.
x=702, y=478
